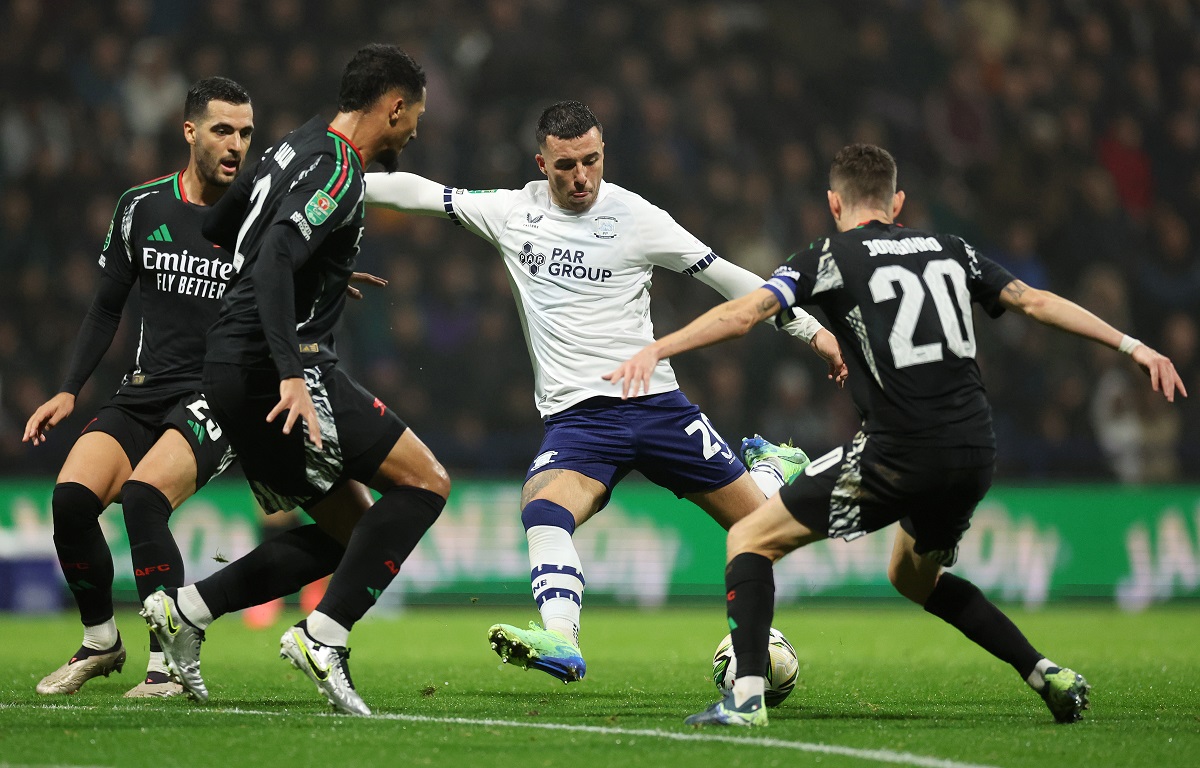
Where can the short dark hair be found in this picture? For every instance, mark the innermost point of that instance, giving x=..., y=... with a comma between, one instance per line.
x=863, y=173
x=566, y=120
x=212, y=89
x=373, y=71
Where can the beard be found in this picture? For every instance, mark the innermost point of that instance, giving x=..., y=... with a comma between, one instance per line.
x=389, y=159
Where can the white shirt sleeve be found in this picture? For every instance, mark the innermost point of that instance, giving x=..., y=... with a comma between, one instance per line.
x=732, y=281
x=481, y=211
x=407, y=193
x=665, y=243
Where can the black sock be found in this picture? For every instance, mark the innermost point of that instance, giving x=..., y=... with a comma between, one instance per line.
x=82, y=551
x=157, y=563
x=750, y=603
x=278, y=567
x=383, y=539
x=959, y=603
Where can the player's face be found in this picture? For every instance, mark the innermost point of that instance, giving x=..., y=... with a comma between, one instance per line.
x=403, y=121
x=220, y=140
x=574, y=168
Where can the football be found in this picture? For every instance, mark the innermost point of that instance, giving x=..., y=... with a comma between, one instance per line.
x=782, y=672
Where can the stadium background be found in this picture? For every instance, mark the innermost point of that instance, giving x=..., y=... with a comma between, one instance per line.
x=1060, y=138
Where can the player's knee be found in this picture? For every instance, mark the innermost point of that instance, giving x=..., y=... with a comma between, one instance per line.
x=74, y=506
x=546, y=512
x=744, y=536
x=910, y=583
x=144, y=506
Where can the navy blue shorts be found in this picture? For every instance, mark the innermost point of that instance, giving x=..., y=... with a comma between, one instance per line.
x=665, y=437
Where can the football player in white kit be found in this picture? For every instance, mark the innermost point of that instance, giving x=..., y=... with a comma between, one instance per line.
x=580, y=253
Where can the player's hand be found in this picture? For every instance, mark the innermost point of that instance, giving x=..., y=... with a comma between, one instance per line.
x=47, y=417
x=1163, y=376
x=294, y=398
x=635, y=372
x=366, y=278
x=825, y=345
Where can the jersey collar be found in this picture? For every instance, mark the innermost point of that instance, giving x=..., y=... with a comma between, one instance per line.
x=342, y=136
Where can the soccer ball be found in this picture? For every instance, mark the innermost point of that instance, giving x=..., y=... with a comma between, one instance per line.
x=782, y=672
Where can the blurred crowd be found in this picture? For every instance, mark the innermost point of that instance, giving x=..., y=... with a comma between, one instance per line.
x=1061, y=138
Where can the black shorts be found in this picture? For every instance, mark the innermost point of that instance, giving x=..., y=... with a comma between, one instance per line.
x=287, y=471
x=137, y=424
x=867, y=484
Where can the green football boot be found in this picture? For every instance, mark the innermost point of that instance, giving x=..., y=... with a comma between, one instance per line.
x=1066, y=694
x=537, y=648
x=789, y=460
x=725, y=712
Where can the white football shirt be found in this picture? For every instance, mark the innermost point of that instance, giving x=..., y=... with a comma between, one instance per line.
x=581, y=280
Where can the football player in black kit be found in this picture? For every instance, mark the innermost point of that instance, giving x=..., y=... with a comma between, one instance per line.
x=899, y=302
x=294, y=228
x=154, y=443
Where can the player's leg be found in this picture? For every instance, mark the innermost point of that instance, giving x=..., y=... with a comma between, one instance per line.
x=90, y=479
x=170, y=473
x=752, y=547
x=961, y=604
x=554, y=502
x=413, y=488
x=277, y=567
x=730, y=503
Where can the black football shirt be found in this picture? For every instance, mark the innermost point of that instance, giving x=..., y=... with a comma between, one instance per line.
x=154, y=241
x=294, y=227
x=899, y=302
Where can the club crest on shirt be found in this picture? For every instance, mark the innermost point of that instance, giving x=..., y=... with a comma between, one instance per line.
x=319, y=207
x=606, y=227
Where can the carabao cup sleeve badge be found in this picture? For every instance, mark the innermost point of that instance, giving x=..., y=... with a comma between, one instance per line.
x=319, y=207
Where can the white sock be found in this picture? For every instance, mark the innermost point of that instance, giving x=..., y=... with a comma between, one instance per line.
x=194, y=609
x=326, y=631
x=1037, y=678
x=556, y=576
x=747, y=687
x=158, y=663
x=767, y=477
x=101, y=637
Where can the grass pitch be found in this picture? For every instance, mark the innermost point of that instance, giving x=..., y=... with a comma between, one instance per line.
x=881, y=684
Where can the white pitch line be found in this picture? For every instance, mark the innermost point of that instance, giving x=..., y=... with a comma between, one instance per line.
x=875, y=755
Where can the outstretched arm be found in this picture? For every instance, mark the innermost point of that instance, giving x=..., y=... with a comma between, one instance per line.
x=733, y=282
x=407, y=193
x=1053, y=310
x=726, y=321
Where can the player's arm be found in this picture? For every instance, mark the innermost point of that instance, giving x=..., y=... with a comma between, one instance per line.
x=407, y=193
x=726, y=321
x=1053, y=310
x=732, y=282
x=95, y=337
x=224, y=220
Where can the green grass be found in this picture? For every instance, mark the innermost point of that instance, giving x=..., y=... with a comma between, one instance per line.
x=873, y=677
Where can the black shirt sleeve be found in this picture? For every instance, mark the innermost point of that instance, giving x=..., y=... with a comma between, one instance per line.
x=99, y=328
x=986, y=279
